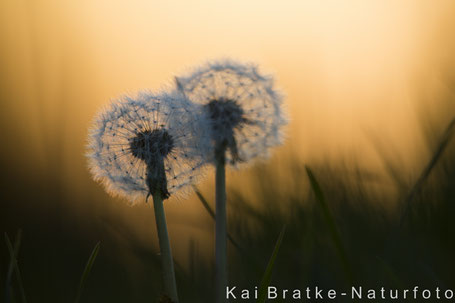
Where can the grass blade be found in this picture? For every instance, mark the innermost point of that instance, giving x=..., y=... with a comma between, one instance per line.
x=331, y=224
x=394, y=236
x=14, y=267
x=447, y=136
x=212, y=214
x=267, y=277
x=88, y=268
x=204, y=202
x=9, y=275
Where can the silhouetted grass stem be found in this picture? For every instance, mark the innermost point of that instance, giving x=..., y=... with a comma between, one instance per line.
x=13, y=251
x=212, y=215
x=331, y=224
x=170, y=285
x=87, y=270
x=220, y=227
x=267, y=277
x=446, y=137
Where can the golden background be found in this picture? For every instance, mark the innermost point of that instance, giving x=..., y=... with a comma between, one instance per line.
x=359, y=76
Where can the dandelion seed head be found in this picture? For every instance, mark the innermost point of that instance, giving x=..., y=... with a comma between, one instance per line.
x=137, y=145
x=242, y=107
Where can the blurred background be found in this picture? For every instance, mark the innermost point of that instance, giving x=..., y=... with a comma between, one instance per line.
x=370, y=88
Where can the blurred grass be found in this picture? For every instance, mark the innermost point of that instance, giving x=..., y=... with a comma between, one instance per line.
x=14, y=268
x=364, y=213
x=267, y=277
x=210, y=211
x=87, y=270
x=331, y=224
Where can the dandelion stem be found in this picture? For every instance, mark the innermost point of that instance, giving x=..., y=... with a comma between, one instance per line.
x=170, y=285
x=220, y=227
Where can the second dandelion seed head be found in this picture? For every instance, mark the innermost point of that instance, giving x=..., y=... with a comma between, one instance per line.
x=225, y=116
x=242, y=108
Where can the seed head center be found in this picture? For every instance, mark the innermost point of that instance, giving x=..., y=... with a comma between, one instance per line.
x=225, y=114
x=150, y=145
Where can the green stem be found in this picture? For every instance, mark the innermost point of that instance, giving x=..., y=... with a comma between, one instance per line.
x=220, y=228
x=170, y=285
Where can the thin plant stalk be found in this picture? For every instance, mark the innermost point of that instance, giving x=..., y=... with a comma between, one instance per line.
x=212, y=215
x=267, y=277
x=220, y=228
x=13, y=257
x=9, y=275
x=87, y=270
x=419, y=184
x=415, y=190
x=333, y=227
x=170, y=285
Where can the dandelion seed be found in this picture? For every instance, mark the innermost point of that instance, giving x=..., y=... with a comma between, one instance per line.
x=242, y=107
x=141, y=145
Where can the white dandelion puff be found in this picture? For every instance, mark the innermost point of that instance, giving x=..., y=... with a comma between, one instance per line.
x=242, y=107
x=144, y=144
